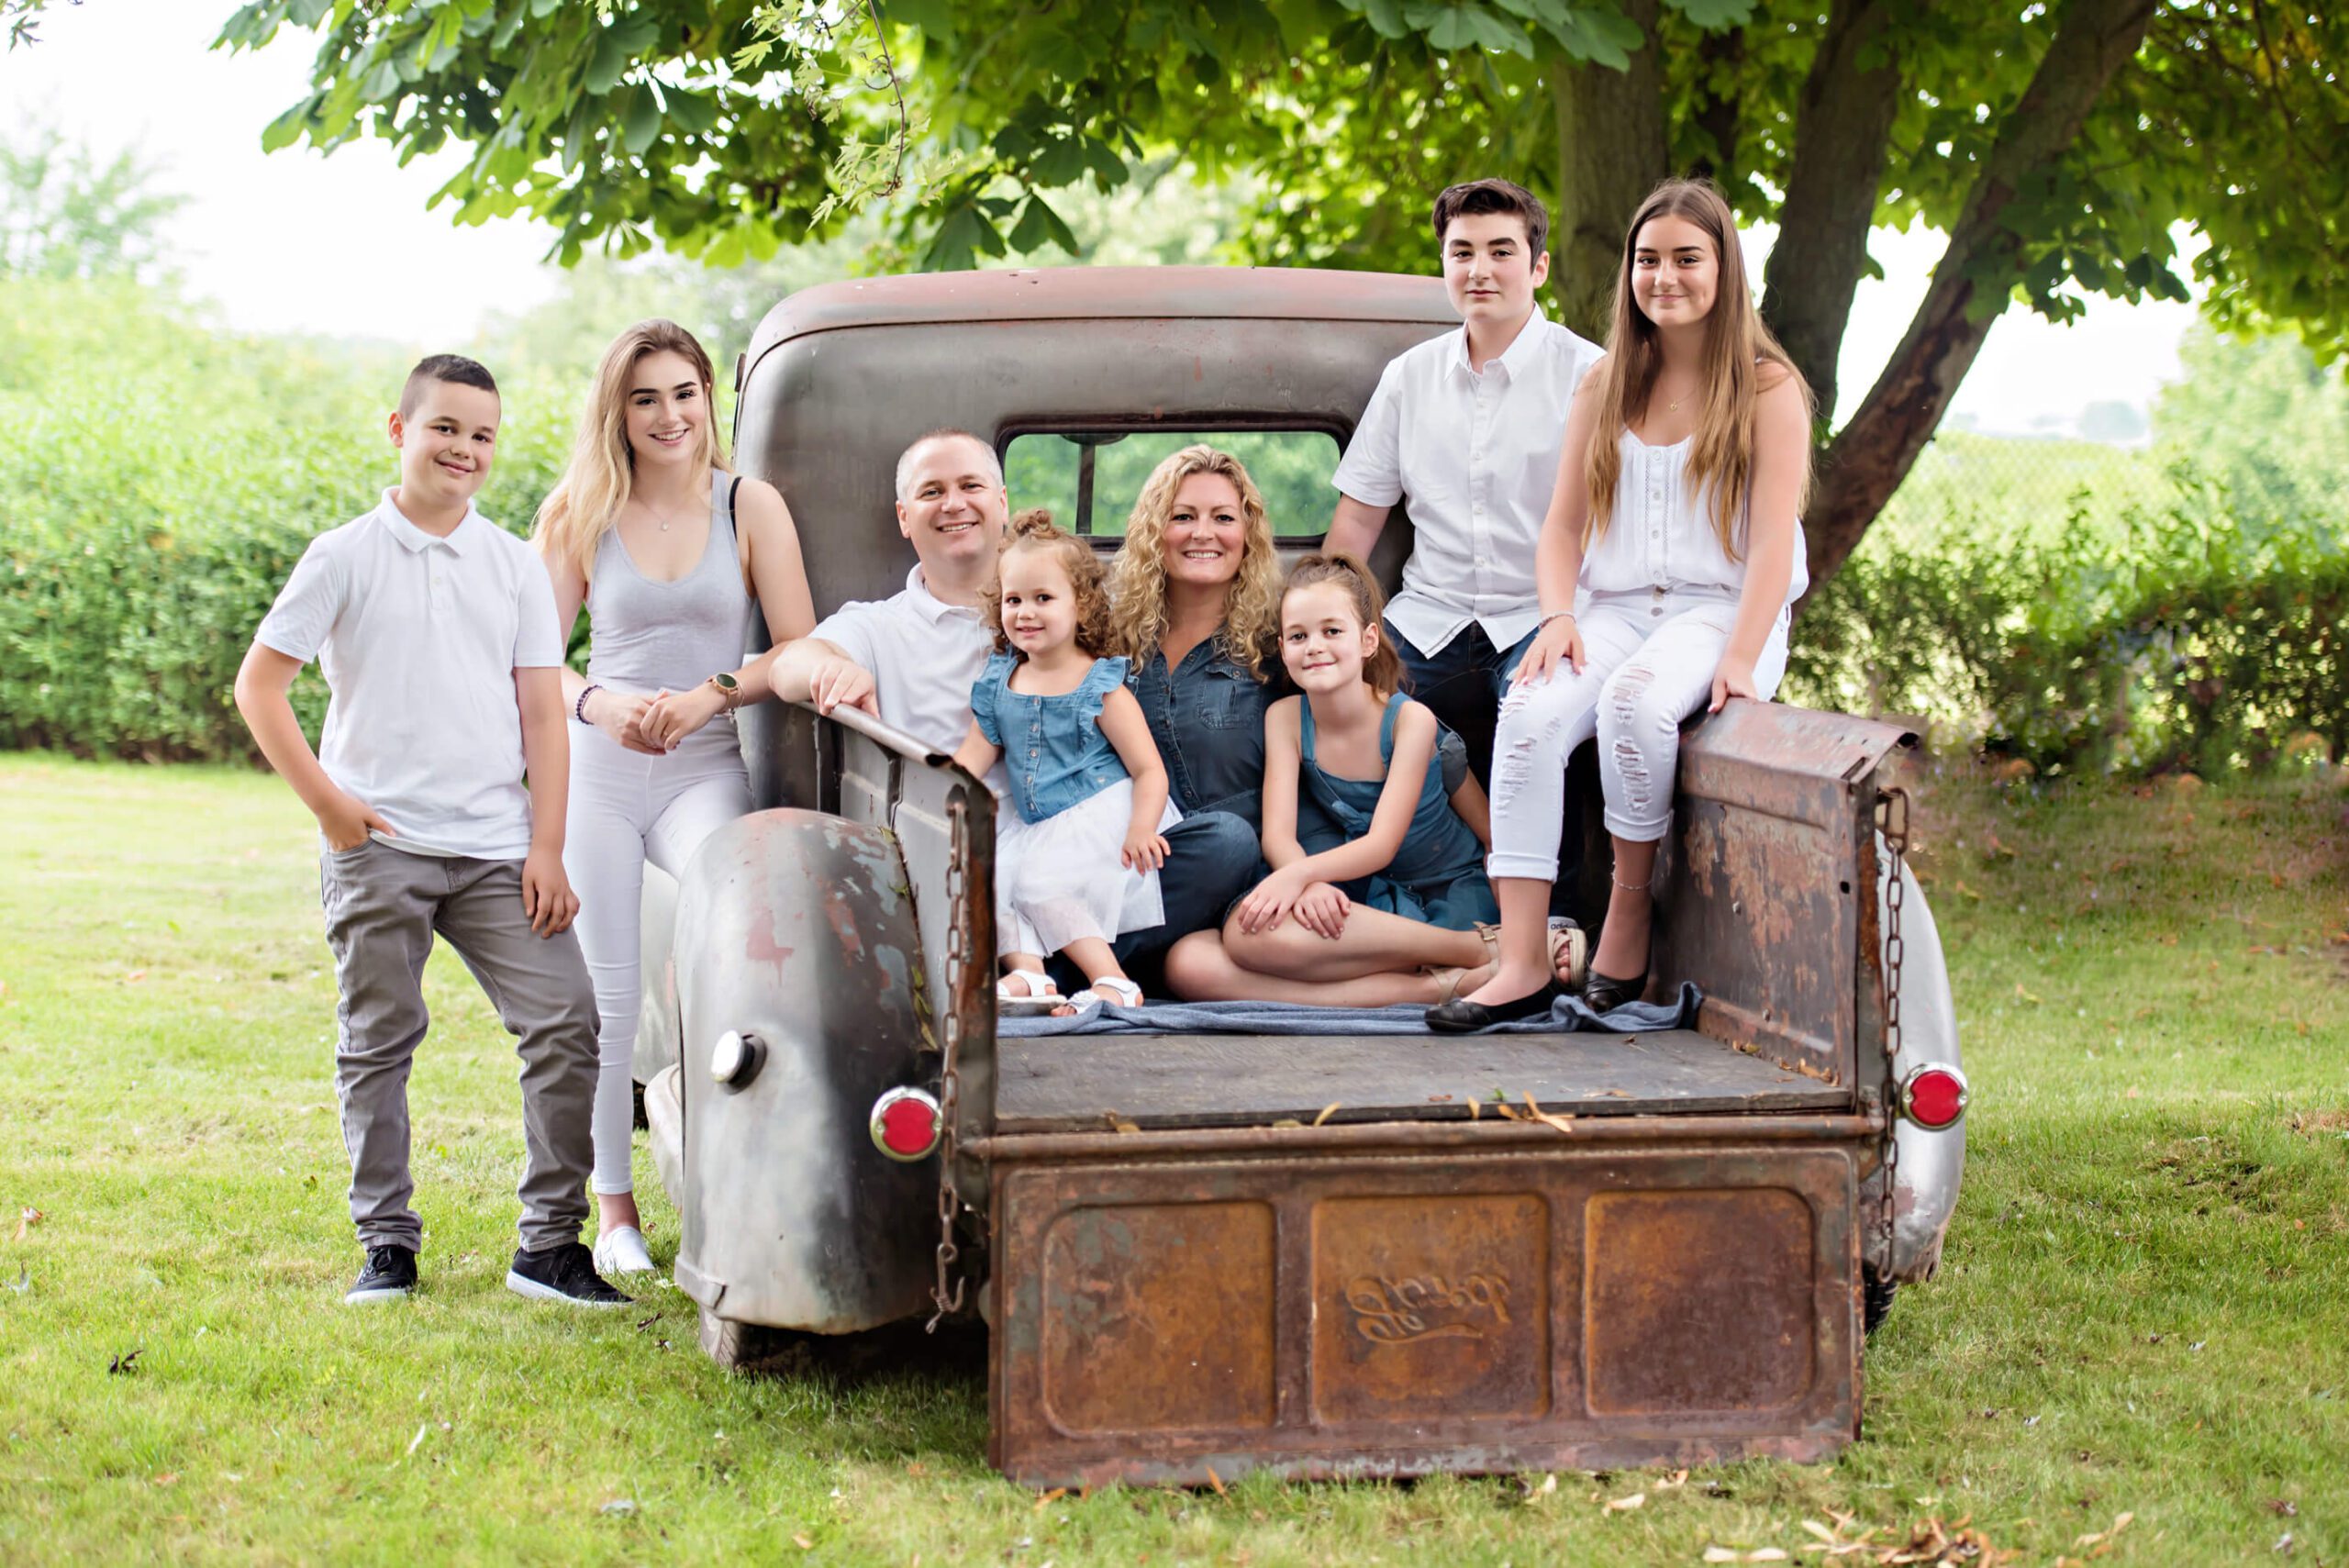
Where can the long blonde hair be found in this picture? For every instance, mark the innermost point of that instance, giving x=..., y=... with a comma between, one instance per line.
x=1736, y=342
x=1252, y=607
x=595, y=482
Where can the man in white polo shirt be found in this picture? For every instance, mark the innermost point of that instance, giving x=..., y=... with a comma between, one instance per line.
x=436, y=631
x=910, y=660
x=1463, y=430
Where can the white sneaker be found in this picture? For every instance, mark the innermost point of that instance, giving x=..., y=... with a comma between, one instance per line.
x=623, y=1251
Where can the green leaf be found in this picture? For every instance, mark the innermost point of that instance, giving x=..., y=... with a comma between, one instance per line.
x=615, y=50
x=1039, y=225
x=287, y=128
x=1384, y=16
x=1455, y=27
x=1605, y=41
x=1715, y=15
x=692, y=113
x=640, y=120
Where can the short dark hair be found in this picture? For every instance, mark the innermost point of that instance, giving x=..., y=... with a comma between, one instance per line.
x=454, y=368
x=1494, y=196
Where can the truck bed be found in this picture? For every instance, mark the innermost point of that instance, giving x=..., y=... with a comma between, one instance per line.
x=1090, y=1082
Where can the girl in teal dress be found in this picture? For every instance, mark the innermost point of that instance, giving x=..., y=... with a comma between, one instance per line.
x=1356, y=816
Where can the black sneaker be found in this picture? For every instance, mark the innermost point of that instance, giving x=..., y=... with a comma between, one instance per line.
x=565, y=1271
x=390, y=1275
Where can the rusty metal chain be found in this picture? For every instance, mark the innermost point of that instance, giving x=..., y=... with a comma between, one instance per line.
x=949, y=1291
x=1893, y=804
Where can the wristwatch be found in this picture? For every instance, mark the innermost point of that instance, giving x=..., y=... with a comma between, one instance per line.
x=728, y=688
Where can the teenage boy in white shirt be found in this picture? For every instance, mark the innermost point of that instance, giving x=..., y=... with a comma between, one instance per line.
x=1464, y=430
x=436, y=631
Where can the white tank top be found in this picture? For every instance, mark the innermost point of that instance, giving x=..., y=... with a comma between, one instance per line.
x=1661, y=535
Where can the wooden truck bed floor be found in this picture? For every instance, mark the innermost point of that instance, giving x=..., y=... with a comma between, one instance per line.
x=1088, y=1082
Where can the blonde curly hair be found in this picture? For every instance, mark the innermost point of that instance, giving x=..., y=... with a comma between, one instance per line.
x=1034, y=530
x=1251, y=610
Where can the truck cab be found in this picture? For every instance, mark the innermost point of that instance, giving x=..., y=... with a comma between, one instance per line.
x=1201, y=1255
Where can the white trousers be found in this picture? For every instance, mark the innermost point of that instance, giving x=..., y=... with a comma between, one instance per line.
x=627, y=808
x=1649, y=661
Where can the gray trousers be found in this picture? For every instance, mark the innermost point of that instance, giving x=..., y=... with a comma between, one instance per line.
x=382, y=907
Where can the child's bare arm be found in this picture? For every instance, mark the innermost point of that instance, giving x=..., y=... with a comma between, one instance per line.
x=261, y=684
x=1128, y=732
x=1278, y=832
x=546, y=897
x=976, y=755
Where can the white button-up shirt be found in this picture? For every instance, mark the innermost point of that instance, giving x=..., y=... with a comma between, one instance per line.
x=419, y=639
x=1473, y=456
x=925, y=654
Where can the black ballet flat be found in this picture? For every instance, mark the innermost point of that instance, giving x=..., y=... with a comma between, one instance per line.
x=1604, y=994
x=1460, y=1015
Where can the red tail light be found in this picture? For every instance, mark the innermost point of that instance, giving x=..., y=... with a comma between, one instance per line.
x=1933, y=1097
x=906, y=1124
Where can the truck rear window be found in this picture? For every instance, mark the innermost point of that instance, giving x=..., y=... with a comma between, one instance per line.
x=1090, y=479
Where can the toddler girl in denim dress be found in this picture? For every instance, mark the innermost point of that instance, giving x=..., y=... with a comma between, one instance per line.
x=1077, y=866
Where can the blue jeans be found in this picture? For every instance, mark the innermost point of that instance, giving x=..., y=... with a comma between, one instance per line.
x=1211, y=859
x=1463, y=682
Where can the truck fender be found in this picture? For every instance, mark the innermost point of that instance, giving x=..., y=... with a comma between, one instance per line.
x=1931, y=1163
x=795, y=933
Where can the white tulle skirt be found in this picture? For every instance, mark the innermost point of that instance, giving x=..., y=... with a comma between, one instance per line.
x=1058, y=880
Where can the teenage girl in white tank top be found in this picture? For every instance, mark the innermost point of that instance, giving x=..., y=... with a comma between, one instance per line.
x=1667, y=561
x=671, y=554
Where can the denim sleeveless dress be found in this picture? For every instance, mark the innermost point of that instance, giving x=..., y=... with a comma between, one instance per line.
x=1436, y=875
x=1057, y=875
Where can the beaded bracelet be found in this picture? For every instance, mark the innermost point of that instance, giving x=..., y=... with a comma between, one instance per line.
x=579, y=708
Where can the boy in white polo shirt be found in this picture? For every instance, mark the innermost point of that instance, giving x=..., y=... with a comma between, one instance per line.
x=436, y=631
x=1464, y=430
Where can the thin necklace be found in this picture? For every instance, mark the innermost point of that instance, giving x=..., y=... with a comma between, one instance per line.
x=656, y=512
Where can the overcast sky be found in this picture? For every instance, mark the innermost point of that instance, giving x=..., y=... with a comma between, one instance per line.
x=293, y=241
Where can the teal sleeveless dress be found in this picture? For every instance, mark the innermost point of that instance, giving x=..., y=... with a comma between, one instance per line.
x=1438, y=874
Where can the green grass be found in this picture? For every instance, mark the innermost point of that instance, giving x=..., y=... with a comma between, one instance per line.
x=2142, y=1308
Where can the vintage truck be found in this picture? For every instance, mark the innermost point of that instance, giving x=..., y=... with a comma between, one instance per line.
x=1213, y=1253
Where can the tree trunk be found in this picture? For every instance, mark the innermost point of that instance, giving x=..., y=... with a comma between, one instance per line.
x=1869, y=459
x=1611, y=153
x=1842, y=139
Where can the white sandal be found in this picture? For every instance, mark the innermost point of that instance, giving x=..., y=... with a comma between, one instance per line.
x=1035, y=993
x=1128, y=991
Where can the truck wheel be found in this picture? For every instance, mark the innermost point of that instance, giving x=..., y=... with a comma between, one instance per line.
x=1875, y=1298
x=745, y=1348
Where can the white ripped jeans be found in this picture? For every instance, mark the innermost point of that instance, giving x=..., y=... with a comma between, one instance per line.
x=1649, y=658
x=627, y=808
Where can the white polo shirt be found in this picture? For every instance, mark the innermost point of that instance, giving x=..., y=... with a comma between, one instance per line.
x=924, y=653
x=419, y=639
x=1474, y=457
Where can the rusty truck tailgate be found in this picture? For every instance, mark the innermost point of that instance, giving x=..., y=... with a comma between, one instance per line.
x=1083, y=1082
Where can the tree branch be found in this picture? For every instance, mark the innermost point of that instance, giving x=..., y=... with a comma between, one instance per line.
x=1843, y=137
x=1985, y=260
